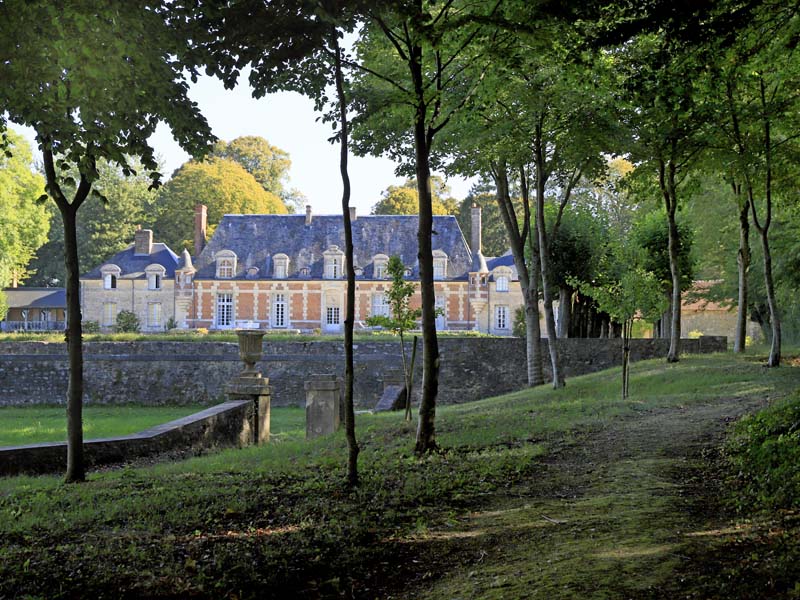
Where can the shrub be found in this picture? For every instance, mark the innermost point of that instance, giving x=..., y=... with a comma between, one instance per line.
x=519, y=329
x=171, y=324
x=765, y=451
x=90, y=327
x=127, y=322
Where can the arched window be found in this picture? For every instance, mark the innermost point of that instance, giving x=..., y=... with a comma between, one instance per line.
x=226, y=264
x=502, y=276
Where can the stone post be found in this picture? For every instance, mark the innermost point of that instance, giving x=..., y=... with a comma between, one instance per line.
x=323, y=405
x=251, y=385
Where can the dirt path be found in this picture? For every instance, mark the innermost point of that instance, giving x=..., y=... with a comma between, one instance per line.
x=612, y=513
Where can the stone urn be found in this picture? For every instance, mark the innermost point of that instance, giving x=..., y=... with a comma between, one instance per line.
x=250, y=351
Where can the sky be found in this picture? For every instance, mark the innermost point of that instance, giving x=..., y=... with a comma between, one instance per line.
x=287, y=120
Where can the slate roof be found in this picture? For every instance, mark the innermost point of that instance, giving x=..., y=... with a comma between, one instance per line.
x=506, y=260
x=36, y=297
x=133, y=266
x=257, y=238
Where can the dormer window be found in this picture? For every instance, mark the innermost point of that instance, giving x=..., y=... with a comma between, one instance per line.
x=155, y=273
x=252, y=272
x=380, y=263
x=110, y=274
x=305, y=272
x=281, y=266
x=502, y=275
x=334, y=263
x=226, y=264
x=439, y=264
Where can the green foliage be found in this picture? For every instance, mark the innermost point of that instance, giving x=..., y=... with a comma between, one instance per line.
x=223, y=185
x=24, y=222
x=90, y=327
x=764, y=450
x=650, y=233
x=494, y=237
x=127, y=322
x=404, y=199
x=403, y=317
x=579, y=250
x=97, y=83
x=268, y=164
x=519, y=327
x=105, y=227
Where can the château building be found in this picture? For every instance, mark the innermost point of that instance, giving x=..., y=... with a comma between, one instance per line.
x=288, y=272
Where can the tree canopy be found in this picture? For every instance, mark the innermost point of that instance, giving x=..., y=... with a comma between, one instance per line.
x=24, y=222
x=404, y=199
x=223, y=185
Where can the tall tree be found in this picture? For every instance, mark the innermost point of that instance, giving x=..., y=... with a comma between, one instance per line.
x=294, y=45
x=666, y=124
x=105, y=227
x=420, y=62
x=93, y=79
x=268, y=164
x=223, y=185
x=24, y=223
x=404, y=199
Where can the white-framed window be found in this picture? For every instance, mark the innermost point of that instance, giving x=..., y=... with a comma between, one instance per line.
x=501, y=283
x=332, y=315
x=281, y=269
x=439, y=264
x=110, y=274
x=501, y=317
x=154, y=315
x=224, y=312
x=154, y=273
x=109, y=314
x=380, y=264
x=279, y=310
x=380, y=305
x=334, y=262
x=226, y=264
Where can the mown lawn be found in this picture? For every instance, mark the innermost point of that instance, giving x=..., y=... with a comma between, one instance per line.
x=277, y=521
x=34, y=424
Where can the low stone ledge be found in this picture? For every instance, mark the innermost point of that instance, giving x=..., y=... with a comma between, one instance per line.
x=225, y=425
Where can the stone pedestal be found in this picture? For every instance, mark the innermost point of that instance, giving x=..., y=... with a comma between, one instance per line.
x=255, y=389
x=251, y=385
x=323, y=405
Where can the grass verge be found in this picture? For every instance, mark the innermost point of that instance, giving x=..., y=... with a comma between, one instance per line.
x=34, y=424
x=550, y=467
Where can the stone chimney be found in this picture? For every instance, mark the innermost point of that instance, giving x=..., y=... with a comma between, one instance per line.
x=476, y=246
x=308, y=215
x=352, y=213
x=143, y=242
x=200, y=225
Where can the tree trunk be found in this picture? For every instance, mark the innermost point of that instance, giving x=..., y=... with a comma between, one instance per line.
x=743, y=265
x=763, y=230
x=76, y=469
x=564, y=310
x=528, y=279
x=426, y=431
x=544, y=262
x=349, y=321
x=674, y=267
x=775, y=321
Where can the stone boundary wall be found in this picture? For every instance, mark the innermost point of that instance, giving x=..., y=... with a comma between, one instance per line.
x=157, y=373
x=228, y=424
